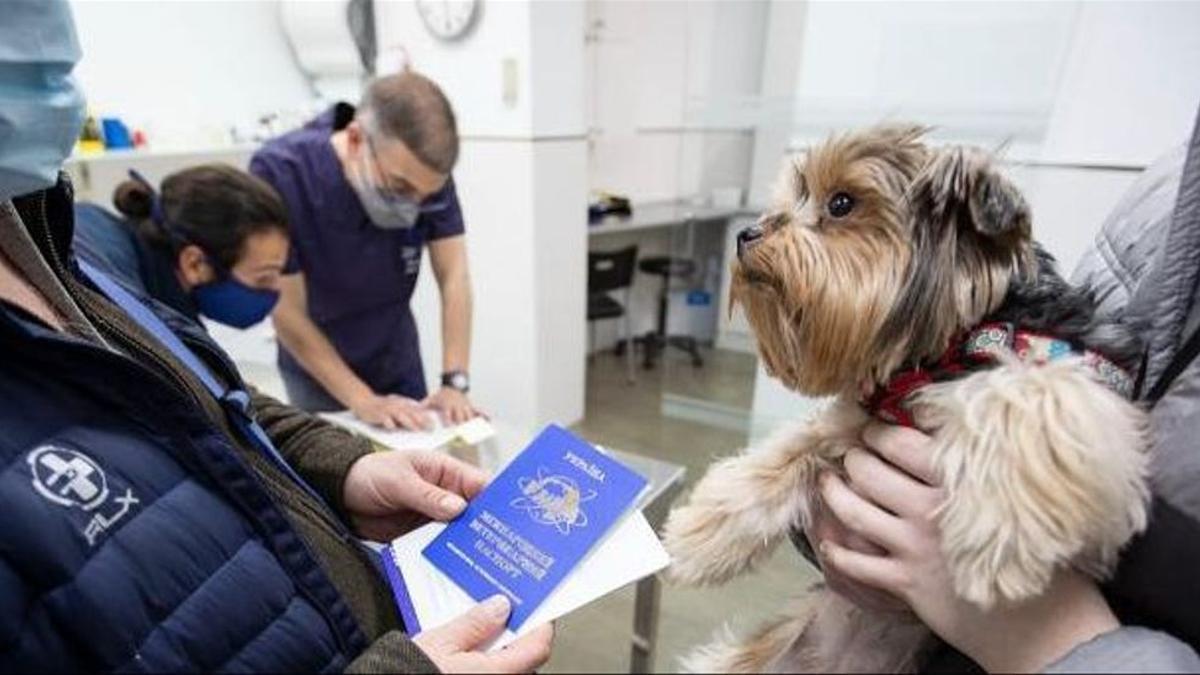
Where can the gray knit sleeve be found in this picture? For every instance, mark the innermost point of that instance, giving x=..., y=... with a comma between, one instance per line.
x=1129, y=649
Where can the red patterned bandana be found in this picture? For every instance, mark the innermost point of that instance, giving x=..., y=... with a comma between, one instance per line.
x=975, y=350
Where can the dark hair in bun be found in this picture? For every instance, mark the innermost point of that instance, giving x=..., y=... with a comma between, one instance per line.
x=214, y=206
x=134, y=199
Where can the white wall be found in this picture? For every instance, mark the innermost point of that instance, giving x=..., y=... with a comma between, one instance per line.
x=977, y=68
x=559, y=250
x=186, y=71
x=1128, y=93
x=522, y=181
x=667, y=101
x=1130, y=85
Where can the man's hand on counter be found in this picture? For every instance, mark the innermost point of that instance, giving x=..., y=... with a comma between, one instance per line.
x=452, y=404
x=393, y=412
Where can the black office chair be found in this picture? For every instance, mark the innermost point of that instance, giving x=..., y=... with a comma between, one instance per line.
x=607, y=272
x=658, y=341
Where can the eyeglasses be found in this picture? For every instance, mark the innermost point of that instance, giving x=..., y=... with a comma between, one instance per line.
x=408, y=192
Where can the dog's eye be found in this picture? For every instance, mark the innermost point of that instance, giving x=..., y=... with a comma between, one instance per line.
x=840, y=205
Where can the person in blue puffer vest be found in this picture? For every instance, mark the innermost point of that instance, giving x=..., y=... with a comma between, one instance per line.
x=157, y=516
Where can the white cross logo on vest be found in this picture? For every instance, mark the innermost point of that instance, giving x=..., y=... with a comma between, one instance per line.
x=70, y=478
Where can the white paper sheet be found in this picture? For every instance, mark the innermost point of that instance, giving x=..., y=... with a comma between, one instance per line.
x=471, y=432
x=630, y=552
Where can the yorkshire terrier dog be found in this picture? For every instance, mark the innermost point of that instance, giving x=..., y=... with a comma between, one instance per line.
x=902, y=280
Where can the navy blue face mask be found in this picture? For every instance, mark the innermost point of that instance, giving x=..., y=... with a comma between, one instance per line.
x=233, y=303
x=227, y=300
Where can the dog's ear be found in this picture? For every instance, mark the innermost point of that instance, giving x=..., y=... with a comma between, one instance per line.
x=960, y=187
x=967, y=222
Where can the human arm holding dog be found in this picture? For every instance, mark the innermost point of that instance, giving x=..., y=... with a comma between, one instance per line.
x=878, y=538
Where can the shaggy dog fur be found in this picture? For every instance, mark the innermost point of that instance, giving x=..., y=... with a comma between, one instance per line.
x=877, y=252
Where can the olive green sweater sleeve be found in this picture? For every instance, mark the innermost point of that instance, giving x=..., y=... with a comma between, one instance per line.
x=393, y=652
x=319, y=451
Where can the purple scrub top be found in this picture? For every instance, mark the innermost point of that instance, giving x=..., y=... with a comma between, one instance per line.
x=359, y=278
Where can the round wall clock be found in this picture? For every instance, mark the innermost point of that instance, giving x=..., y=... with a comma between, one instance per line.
x=448, y=19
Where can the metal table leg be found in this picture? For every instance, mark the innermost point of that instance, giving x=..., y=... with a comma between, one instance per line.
x=645, y=625
x=649, y=590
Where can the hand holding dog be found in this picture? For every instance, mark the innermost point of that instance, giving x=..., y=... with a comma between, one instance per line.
x=891, y=502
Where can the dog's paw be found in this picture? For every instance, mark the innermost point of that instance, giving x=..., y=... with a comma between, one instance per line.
x=821, y=633
x=1043, y=468
x=777, y=646
x=708, y=538
x=723, y=654
x=736, y=515
x=744, y=505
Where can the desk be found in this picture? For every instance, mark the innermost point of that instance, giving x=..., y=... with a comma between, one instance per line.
x=665, y=481
x=652, y=215
x=652, y=220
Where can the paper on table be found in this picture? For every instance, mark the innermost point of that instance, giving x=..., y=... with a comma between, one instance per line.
x=471, y=432
x=630, y=552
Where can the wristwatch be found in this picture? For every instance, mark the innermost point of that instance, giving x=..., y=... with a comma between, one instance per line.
x=457, y=379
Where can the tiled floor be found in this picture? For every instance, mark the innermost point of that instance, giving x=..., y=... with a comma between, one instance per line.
x=726, y=378
x=597, y=638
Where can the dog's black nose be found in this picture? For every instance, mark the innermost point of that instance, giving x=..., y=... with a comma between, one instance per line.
x=747, y=237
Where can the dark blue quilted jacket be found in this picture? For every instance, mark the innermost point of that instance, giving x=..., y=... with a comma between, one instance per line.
x=134, y=538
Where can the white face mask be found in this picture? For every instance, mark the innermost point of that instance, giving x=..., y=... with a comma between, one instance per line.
x=386, y=210
x=41, y=108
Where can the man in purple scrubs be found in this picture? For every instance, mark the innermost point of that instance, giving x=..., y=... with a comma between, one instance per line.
x=366, y=191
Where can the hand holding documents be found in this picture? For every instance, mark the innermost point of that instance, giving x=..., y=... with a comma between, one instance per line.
x=552, y=532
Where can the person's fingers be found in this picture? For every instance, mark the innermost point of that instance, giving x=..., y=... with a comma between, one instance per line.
x=861, y=516
x=442, y=504
x=525, y=654
x=904, y=447
x=876, y=571
x=373, y=415
x=407, y=414
x=409, y=420
x=421, y=417
x=399, y=418
x=887, y=486
x=471, y=479
x=826, y=526
x=420, y=494
x=473, y=629
x=450, y=473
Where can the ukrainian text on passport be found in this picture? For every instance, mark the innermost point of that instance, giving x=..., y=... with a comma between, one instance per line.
x=534, y=523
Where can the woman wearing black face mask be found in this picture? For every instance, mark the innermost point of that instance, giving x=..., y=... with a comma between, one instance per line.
x=212, y=243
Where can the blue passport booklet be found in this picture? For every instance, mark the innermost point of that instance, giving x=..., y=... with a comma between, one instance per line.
x=535, y=522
